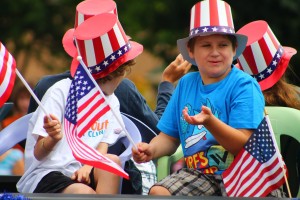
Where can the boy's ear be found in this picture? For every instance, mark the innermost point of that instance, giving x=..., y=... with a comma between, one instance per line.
x=234, y=51
x=191, y=54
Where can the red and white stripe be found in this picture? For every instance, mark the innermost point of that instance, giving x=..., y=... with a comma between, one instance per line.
x=211, y=13
x=88, y=155
x=238, y=183
x=259, y=55
x=91, y=107
x=98, y=49
x=7, y=74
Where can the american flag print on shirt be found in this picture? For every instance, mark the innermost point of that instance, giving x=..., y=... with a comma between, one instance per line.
x=85, y=105
x=258, y=168
x=7, y=74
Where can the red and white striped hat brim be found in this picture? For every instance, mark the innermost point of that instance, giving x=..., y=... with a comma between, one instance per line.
x=210, y=17
x=263, y=58
x=105, y=48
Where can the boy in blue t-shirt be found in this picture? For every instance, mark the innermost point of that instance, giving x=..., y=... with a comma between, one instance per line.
x=211, y=115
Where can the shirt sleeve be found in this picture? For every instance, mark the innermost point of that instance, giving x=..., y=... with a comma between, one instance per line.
x=134, y=104
x=165, y=91
x=169, y=123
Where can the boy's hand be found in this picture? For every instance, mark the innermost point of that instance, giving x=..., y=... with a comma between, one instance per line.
x=53, y=127
x=143, y=153
x=199, y=119
x=82, y=175
x=176, y=69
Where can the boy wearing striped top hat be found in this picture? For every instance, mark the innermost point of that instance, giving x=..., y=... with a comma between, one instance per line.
x=50, y=165
x=212, y=113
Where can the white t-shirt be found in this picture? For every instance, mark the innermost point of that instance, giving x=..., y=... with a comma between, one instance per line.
x=61, y=158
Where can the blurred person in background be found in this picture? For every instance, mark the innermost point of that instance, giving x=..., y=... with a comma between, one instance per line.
x=12, y=161
x=21, y=99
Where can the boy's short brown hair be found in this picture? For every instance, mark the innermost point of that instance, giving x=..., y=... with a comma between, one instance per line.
x=120, y=71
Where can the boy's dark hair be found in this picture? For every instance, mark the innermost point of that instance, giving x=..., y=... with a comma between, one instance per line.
x=120, y=71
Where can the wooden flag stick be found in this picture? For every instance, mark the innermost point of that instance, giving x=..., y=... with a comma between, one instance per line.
x=278, y=152
x=32, y=93
x=79, y=58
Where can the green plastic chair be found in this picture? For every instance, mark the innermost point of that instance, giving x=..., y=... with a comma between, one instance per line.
x=164, y=163
x=286, y=126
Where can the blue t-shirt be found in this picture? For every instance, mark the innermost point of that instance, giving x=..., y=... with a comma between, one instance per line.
x=236, y=100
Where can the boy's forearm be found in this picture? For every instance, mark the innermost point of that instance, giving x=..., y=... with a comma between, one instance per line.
x=163, y=145
x=230, y=138
x=43, y=147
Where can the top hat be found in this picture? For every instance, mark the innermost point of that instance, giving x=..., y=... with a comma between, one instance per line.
x=103, y=44
x=263, y=58
x=211, y=17
x=84, y=11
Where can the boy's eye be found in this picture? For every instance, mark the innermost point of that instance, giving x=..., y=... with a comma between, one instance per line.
x=224, y=45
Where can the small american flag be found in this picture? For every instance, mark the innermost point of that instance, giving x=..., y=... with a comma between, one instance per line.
x=258, y=168
x=85, y=105
x=7, y=74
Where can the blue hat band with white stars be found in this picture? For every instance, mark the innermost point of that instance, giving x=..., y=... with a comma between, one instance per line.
x=271, y=67
x=212, y=30
x=109, y=59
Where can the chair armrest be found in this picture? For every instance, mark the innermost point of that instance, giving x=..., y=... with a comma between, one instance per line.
x=164, y=163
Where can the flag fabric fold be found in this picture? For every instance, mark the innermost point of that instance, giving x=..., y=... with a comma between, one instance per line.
x=7, y=74
x=258, y=168
x=85, y=105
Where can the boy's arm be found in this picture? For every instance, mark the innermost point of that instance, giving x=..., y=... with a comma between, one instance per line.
x=164, y=145
x=45, y=145
x=172, y=73
x=159, y=146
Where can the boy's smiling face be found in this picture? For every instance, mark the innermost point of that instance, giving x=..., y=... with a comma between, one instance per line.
x=213, y=55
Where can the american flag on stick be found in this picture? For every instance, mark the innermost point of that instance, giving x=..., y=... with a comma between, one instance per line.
x=7, y=74
x=258, y=169
x=85, y=105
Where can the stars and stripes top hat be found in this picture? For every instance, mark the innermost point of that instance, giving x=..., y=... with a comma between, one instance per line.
x=103, y=44
x=263, y=58
x=210, y=17
x=84, y=11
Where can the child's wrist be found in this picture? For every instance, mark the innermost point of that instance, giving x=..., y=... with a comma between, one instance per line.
x=44, y=146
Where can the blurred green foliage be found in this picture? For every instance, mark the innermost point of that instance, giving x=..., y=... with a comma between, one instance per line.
x=157, y=24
